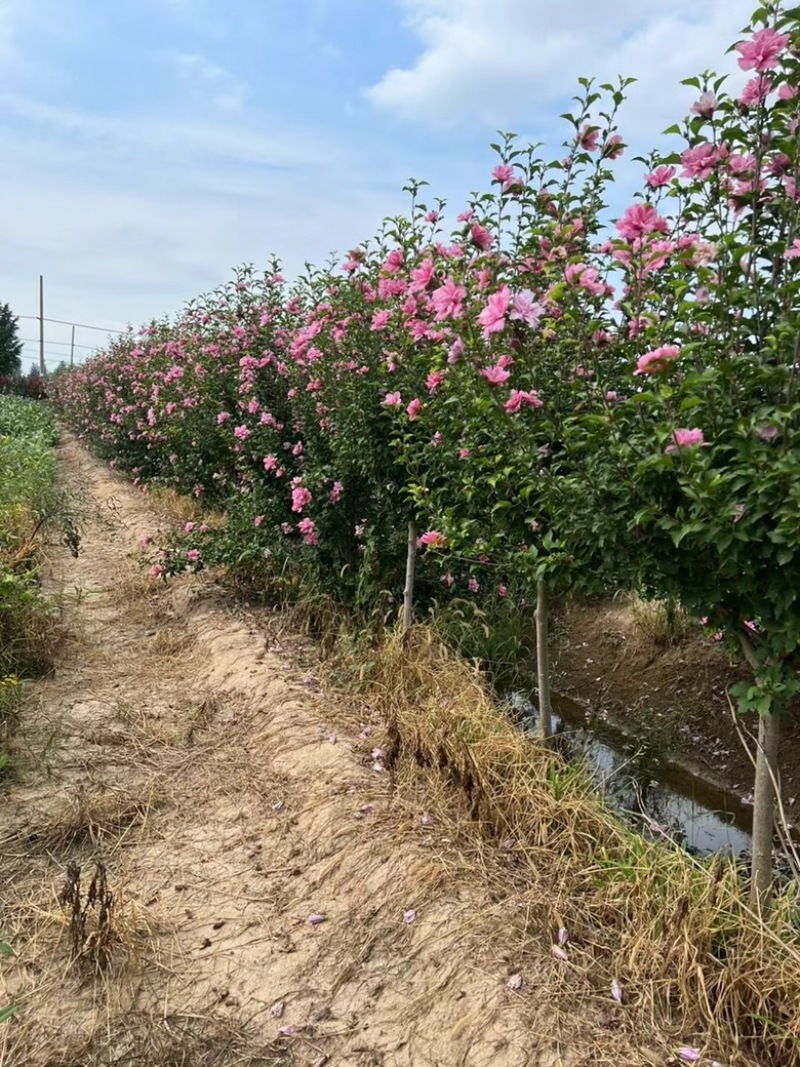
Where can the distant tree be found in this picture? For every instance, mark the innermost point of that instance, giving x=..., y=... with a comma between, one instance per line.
x=10, y=344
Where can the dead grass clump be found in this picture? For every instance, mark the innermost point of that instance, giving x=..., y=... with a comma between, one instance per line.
x=315, y=615
x=677, y=935
x=171, y=642
x=76, y=935
x=310, y=627
x=102, y=925
x=176, y=508
x=200, y=718
x=94, y=818
x=661, y=622
x=142, y=597
x=91, y=916
x=139, y=1039
x=181, y=1041
x=143, y=729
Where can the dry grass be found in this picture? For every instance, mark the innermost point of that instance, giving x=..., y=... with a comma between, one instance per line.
x=94, y=818
x=313, y=618
x=73, y=930
x=158, y=1040
x=176, y=509
x=200, y=718
x=143, y=598
x=92, y=916
x=678, y=935
x=146, y=732
x=659, y=622
x=171, y=641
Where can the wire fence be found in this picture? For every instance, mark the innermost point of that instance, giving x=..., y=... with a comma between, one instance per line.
x=64, y=341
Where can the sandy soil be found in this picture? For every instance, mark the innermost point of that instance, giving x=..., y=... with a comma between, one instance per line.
x=274, y=899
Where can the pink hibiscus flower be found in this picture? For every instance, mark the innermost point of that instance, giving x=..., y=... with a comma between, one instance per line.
x=699, y=162
x=660, y=177
x=756, y=91
x=525, y=309
x=493, y=316
x=657, y=360
x=640, y=220
x=495, y=375
x=448, y=300
x=762, y=50
x=300, y=497
x=480, y=236
x=502, y=173
x=588, y=137
x=520, y=397
x=684, y=438
x=432, y=539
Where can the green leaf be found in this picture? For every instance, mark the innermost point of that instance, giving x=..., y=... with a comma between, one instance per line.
x=684, y=531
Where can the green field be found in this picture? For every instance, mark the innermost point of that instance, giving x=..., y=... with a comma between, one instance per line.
x=27, y=499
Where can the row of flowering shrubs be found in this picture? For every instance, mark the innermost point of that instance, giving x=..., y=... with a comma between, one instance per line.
x=549, y=393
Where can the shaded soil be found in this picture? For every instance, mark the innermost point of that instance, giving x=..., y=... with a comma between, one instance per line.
x=272, y=898
x=672, y=697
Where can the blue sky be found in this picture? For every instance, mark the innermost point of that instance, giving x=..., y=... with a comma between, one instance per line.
x=148, y=146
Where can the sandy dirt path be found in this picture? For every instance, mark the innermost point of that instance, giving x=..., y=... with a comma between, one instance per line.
x=275, y=900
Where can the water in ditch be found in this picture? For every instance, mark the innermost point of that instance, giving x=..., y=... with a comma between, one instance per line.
x=646, y=789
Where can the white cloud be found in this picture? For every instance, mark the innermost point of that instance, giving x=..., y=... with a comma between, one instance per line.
x=240, y=143
x=124, y=228
x=222, y=89
x=492, y=61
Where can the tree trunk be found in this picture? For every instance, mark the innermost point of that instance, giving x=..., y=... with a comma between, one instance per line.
x=411, y=565
x=543, y=661
x=764, y=806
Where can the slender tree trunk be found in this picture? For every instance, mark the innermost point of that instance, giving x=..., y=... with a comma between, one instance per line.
x=543, y=660
x=411, y=566
x=764, y=806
